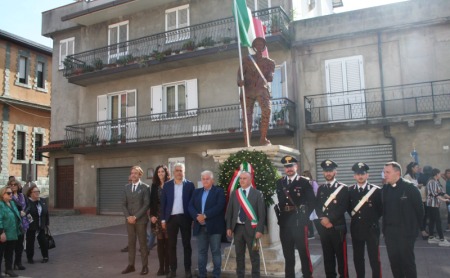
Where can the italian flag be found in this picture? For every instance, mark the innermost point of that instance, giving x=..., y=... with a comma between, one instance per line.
x=234, y=183
x=245, y=23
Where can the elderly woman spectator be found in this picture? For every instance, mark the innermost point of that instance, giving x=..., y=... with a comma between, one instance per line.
x=10, y=224
x=39, y=212
x=160, y=176
x=20, y=201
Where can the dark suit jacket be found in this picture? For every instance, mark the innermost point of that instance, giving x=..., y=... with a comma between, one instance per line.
x=366, y=220
x=337, y=208
x=168, y=195
x=302, y=197
x=257, y=201
x=33, y=211
x=136, y=203
x=214, y=210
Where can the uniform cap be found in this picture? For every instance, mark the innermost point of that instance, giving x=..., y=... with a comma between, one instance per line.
x=328, y=165
x=360, y=168
x=288, y=161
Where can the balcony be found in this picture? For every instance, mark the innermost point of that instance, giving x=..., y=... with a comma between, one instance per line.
x=197, y=125
x=379, y=106
x=191, y=45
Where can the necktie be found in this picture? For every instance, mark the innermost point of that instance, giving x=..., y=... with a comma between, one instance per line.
x=289, y=181
x=360, y=190
x=134, y=188
x=242, y=215
x=328, y=185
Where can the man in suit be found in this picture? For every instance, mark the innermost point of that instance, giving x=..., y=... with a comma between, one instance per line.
x=207, y=208
x=402, y=215
x=331, y=205
x=135, y=203
x=365, y=208
x=175, y=198
x=296, y=202
x=245, y=225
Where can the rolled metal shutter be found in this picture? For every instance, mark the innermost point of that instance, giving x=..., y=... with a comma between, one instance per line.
x=111, y=182
x=375, y=156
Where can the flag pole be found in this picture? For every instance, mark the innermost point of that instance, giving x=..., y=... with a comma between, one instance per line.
x=247, y=138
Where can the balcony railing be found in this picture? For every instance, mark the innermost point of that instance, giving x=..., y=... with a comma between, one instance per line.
x=155, y=48
x=379, y=103
x=190, y=123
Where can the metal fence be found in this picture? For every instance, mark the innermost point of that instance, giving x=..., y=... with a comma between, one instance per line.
x=410, y=99
x=155, y=47
x=188, y=123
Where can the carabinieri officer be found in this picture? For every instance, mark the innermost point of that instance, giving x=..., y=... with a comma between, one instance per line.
x=296, y=202
x=331, y=205
x=365, y=208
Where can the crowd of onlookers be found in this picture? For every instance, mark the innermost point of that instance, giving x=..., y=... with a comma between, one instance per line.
x=23, y=218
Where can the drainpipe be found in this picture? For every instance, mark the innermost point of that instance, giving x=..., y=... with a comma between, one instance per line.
x=388, y=135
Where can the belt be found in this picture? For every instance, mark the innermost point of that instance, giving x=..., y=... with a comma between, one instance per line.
x=289, y=208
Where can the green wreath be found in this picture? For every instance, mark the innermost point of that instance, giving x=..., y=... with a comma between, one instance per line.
x=266, y=174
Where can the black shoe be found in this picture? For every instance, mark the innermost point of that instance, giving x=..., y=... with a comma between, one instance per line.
x=11, y=273
x=171, y=274
x=30, y=261
x=124, y=249
x=130, y=268
x=44, y=260
x=160, y=272
x=19, y=267
x=188, y=274
x=144, y=270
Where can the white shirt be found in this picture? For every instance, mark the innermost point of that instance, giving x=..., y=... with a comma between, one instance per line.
x=135, y=185
x=178, y=199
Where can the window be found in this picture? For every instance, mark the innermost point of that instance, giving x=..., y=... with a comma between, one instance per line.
x=40, y=75
x=175, y=98
x=117, y=40
x=177, y=18
x=345, y=84
x=38, y=142
x=20, y=146
x=23, y=70
x=255, y=5
x=66, y=48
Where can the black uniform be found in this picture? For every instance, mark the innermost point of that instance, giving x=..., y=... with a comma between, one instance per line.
x=365, y=228
x=296, y=202
x=334, y=244
x=402, y=215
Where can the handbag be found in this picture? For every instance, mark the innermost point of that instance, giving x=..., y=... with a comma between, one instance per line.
x=50, y=240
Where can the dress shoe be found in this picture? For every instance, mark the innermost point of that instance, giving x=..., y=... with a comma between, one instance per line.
x=171, y=274
x=19, y=267
x=30, y=261
x=44, y=260
x=11, y=273
x=130, y=268
x=124, y=249
x=188, y=274
x=160, y=272
x=144, y=270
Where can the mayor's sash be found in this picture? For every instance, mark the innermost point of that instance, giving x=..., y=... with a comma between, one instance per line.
x=247, y=207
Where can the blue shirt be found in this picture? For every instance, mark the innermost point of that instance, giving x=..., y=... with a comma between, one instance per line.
x=204, y=197
x=178, y=199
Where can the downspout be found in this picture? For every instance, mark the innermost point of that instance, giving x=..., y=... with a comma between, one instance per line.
x=386, y=127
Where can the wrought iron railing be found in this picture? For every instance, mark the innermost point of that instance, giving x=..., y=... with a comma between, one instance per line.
x=194, y=122
x=156, y=47
x=379, y=103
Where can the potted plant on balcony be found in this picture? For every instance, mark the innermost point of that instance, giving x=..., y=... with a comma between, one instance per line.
x=103, y=142
x=123, y=138
x=279, y=117
x=168, y=51
x=157, y=55
x=275, y=24
x=98, y=64
x=188, y=45
x=226, y=40
x=92, y=140
x=206, y=42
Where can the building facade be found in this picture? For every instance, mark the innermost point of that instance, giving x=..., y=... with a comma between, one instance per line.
x=25, y=95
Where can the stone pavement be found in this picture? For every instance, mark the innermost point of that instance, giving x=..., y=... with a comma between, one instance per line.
x=89, y=246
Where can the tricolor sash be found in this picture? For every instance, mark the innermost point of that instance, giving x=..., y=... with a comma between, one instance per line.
x=247, y=207
x=234, y=183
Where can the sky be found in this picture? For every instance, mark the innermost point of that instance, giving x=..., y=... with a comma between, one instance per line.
x=24, y=17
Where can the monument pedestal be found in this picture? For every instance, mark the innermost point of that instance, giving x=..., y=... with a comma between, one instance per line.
x=273, y=253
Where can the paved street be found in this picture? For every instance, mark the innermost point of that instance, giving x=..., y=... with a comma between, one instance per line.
x=89, y=246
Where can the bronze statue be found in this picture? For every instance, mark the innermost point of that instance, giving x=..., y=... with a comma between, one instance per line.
x=257, y=88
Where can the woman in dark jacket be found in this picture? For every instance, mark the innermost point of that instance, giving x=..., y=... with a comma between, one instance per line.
x=39, y=212
x=20, y=201
x=160, y=176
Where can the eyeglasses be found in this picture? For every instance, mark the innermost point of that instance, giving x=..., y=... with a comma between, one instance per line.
x=9, y=193
x=36, y=191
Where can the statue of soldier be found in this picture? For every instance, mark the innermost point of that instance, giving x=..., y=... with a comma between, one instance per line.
x=258, y=72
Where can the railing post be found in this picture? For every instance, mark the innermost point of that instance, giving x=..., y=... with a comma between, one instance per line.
x=432, y=98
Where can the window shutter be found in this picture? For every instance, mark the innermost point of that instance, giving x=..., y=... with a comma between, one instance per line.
x=183, y=18
x=62, y=54
x=335, y=78
x=102, y=108
x=156, y=99
x=192, y=94
x=70, y=47
x=353, y=73
x=171, y=21
x=131, y=104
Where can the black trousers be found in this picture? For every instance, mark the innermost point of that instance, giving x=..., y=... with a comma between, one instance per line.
x=334, y=247
x=31, y=236
x=292, y=238
x=372, y=240
x=400, y=251
x=435, y=220
x=181, y=223
x=243, y=239
x=18, y=250
x=7, y=249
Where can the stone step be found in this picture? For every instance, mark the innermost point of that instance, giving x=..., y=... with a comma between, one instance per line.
x=272, y=266
x=270, y=253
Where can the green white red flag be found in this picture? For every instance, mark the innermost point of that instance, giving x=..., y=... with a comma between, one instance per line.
x=245, y=23
x=234, y=183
